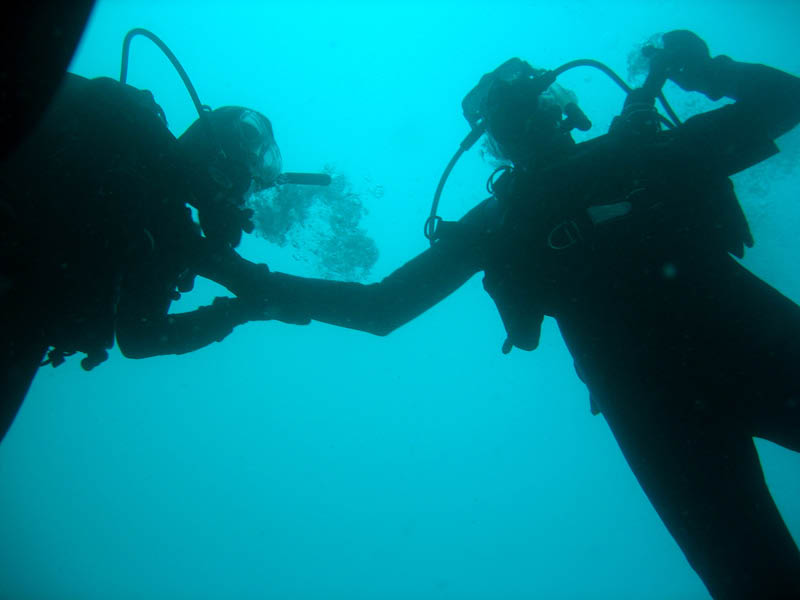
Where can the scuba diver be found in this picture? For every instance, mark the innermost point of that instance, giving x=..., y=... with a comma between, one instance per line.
x=97, y=237
x=628, y=240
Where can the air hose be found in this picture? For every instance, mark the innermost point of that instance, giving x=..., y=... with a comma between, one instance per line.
x=202, y=109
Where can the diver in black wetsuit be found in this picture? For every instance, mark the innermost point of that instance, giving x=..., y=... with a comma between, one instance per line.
x=626, y=240
x=97, y=237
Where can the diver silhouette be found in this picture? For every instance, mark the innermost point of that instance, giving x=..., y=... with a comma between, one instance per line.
x=628, y=240
x=97, y=238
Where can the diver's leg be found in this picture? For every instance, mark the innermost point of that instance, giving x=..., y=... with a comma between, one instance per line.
x=704, y=478
x=767, y=398
x=774, y=410
x=18, y=365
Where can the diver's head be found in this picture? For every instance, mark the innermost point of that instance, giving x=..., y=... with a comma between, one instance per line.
x=522, y=110
x=522, y=123
x=231, y=153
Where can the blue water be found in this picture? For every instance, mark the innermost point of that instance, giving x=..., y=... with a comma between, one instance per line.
x=319, y=463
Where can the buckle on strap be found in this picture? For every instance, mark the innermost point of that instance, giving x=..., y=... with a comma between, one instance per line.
x=564, y=235
x=56, y=357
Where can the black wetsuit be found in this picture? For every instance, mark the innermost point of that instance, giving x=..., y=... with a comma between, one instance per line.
x=626, y=241
x=96, y=239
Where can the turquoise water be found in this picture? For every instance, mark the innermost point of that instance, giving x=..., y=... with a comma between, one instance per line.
x=313, y=462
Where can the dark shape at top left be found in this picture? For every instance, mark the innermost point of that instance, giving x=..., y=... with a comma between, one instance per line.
x=36, y=46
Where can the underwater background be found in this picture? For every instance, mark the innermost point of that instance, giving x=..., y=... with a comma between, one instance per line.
x=314, y=462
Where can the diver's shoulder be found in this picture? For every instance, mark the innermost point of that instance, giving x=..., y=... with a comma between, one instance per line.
x=101, y=97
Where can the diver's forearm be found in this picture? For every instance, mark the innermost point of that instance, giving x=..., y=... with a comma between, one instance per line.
x=377, y=308
x=232, y=271
x=352, y=305
x=180, y=333
x=380, y=308
x=770, y=95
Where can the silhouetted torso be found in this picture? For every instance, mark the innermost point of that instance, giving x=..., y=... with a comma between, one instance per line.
x=95, y=205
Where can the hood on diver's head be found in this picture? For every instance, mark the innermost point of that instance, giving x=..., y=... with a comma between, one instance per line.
x=521, y=117
x=230, y=153
x=237, y=148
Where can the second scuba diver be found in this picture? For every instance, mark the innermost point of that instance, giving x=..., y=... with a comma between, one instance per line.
x=96, y=235
x=627, y=241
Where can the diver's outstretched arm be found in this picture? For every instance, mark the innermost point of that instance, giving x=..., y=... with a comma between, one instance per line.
x=377, y=308
x=380, y=308
x=225, y=267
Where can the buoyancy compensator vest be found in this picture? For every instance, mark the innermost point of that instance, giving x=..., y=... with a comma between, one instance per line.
x=616, y=199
